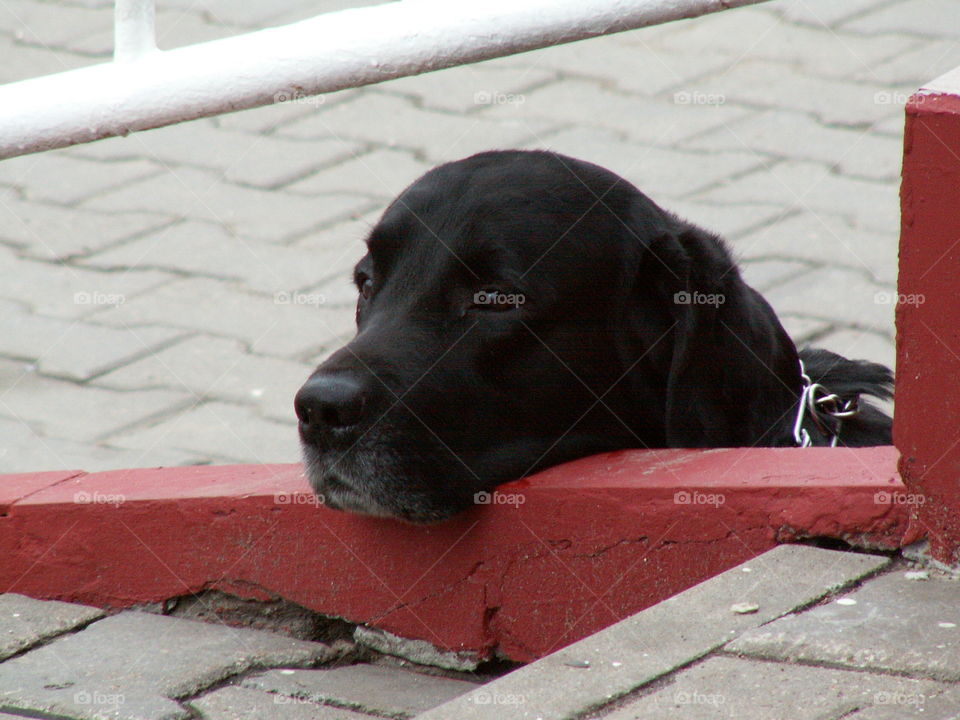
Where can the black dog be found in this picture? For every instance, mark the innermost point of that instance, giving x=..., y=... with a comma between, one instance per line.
x=521, y=309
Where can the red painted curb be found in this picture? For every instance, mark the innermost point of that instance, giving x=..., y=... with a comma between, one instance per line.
x=928, y=316
x=549, y=560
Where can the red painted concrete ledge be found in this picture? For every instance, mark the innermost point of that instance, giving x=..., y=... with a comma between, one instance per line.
x=550, y=560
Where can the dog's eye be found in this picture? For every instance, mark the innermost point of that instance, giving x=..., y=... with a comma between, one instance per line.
x=365, y=284
x=497, y=300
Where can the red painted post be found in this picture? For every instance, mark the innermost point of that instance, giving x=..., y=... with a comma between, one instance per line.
x=927, y=423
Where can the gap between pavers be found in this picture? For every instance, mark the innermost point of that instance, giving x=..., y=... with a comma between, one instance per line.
x=673, y=633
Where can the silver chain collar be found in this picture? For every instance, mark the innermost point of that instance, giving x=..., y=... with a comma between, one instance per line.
x=819, y=403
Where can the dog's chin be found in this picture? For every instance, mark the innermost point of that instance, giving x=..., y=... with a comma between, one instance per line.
x=343, y=488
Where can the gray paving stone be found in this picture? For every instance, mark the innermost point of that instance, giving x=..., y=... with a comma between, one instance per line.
x=727, y=220
x=818, y=51
x=438, y=136
x=205, y=249
x=381, y=173
x=278, y=326
x=253, y=15
x=765, y=274
x=941, y=704
x=268, y=118
x=108, y=670
x=260, y=161
x=724, y=687
x=767, y=84
x=369, y=688
x=24, y=449
x=927, y=18
x=25, y=622
x=175, y=28
x=69, y=292
x=861, y=345
x=812, y=187
x=804, y=329
x=784, y=134
x=644, y=119
x=927, y=60
x=202, y=195
x=895, y=625
x=634, y=62
x=824, y=238
x=470, y=87
x=659, y=172
x=48, y=232
x=217, y=368
x=241, y=703
x=21, y=62
x=659, y=639
x=819, y=12
x=50, y=26
x=59, y=178
x=57, y=408
x=224, y=432
x=837, y=295
x=72, y=349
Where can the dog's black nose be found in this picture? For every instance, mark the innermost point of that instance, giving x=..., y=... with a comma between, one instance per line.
x=330, y=402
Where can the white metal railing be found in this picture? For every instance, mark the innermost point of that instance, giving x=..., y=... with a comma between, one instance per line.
x=145, y=88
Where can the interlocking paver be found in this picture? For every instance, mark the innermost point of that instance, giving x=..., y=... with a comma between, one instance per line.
x=775, y=85
x=824, y=238
x=820, y=13
x=219, y=431
x=370, y=688
x=470, y=87
x=195, y=248
x=655, y=641
x=450, y=136
x=72, y=349
x=216, y=368
x=785, y=134
x=922, y=17
x=818, y=51
x=58, y=408
x=59, y=178
x=659, y=172
x=860, y=344
x=654, y=121
x=132, y=665
x=50, y=232
x=23, y=448
x=24, y=621
x=202, y=195
x=850, y=297
x=279, y=325
x=810, y=186
x=749, y=690
x=892, y=624
x=257, y=160
x=59, y=290
x=381, y=173
x=242, y=703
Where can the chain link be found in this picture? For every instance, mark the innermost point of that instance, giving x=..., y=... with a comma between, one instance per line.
x=820, y=404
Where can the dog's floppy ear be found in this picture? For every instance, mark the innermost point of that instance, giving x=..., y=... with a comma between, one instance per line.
x=734, y=372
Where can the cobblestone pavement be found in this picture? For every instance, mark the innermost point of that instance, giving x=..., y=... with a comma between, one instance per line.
x=797, y=633
x=165, y=294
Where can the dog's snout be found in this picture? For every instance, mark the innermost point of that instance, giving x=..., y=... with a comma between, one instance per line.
x=330, y=402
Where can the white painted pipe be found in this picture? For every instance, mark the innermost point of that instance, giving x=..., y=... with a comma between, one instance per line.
x=329, y=52
x=134, y=33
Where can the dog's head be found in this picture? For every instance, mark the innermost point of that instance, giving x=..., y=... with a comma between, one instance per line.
x=519, y=309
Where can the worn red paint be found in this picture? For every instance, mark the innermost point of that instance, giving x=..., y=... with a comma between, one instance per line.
x=927, y=423
x=592, y=541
